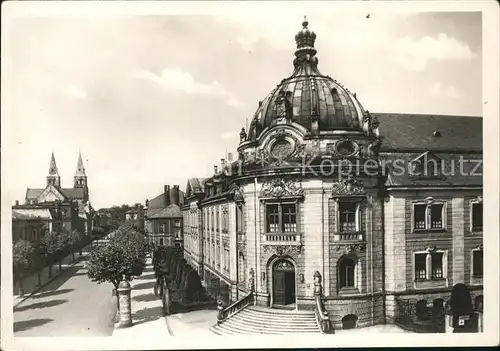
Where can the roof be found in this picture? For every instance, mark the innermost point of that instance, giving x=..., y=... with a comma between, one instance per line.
x=470, y=175
x=71, y=193
x=31, y=213
x=196, y=185
x=416, y=132
x=307, y=95
x=74, y=193
x=33, y=194
x=171, y=211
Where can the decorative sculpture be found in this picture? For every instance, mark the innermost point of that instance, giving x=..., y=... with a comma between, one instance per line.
x=349, y=186
x=283, y=250
x=243, y=135
x=278, y=188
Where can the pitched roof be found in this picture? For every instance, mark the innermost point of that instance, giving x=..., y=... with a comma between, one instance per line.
x=171, y=211
x=73, y=193
x=454, y=174
x=31, y=213
x=416, y=132
x=33, y=194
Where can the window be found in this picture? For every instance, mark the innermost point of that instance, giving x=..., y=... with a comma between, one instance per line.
x=346, y=273
x=419, y=211
x=239, y=218
x=437, y=216
x=437, y=265
x=347, y=216
x=477, y=216
x=429, y=265
x=420, y=266
x=428, y=216
x=177, y=223
x=217, y=221
x=161, y=242
x=477, y=263
x=281, y=218
x=162, y=229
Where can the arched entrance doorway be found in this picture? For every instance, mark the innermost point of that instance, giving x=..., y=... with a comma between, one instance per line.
x=283, y=283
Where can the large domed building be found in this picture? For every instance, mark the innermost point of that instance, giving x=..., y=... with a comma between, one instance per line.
x=315, y=214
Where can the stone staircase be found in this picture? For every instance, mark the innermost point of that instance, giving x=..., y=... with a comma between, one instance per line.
x=261, y=320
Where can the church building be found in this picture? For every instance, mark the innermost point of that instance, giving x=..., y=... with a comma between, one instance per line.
x=67, y=208
x=385, y=207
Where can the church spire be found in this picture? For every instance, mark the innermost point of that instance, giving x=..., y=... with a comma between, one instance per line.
x=53, y=177
x=80, y=170
x=53, y=166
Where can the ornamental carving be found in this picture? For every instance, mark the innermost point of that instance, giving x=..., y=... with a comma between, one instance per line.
x=278, y=188
x=283, y=250
x=283, y=106
x=431, y=248
x=241, y=246
x=237, y=193
x=351, y=249
x=350, y=186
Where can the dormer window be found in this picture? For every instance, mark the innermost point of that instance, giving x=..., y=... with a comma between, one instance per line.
x=426, y=165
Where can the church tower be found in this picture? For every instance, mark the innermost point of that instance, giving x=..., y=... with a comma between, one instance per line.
x=53, y=177
x=80, y=179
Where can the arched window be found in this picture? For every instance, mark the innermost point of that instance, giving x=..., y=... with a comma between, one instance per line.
x=347, y=268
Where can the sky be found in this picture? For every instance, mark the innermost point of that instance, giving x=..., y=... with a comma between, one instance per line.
x=154, y=100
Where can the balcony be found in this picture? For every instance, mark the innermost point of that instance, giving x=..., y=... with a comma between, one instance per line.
x=349, y=236
x=281, y=239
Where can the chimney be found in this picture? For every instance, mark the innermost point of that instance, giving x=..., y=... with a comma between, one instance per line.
x=176, y=195
x=17, y=202
x=230, y=157
x=222, y=164
x=166, y=195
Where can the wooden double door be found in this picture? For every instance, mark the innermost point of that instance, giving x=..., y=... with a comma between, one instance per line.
x=283, y=283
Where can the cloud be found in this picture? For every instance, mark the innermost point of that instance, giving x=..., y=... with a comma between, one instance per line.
x=174, y=78
x=415, y=54
x=449, y=91
x=75, y=92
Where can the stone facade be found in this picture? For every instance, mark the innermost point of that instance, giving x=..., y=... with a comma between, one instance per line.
x=311, y=191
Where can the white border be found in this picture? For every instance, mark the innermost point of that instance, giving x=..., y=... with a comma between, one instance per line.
x=490, y=21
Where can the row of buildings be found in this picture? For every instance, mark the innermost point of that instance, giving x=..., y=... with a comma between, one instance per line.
x=54, y=208
x=384, y=206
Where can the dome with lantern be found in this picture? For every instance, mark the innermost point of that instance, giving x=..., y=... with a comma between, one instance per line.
x=307, y=96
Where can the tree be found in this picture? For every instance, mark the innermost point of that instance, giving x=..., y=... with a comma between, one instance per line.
x=64, y=245
x=74, y=242
x=53, y=246
x=22, y=257
x=123, y=257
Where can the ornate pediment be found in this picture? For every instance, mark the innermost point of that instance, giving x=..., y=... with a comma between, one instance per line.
x=283, y=250
x=51, y=194
x=351, y=249
x=350, y=186
x=278, y=188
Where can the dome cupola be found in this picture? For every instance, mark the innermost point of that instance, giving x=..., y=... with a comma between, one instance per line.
x=308, y=98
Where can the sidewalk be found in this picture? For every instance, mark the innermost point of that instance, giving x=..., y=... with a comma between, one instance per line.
x=147, y=312
x=193, y=323
x=30, y=284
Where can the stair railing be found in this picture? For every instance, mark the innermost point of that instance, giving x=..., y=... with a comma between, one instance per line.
x=224, y=313
x=321, y=313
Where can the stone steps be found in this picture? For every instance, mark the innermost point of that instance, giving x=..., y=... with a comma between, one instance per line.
x=260, y=320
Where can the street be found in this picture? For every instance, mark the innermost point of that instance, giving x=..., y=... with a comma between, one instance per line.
x=70, y=305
